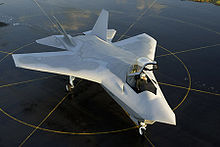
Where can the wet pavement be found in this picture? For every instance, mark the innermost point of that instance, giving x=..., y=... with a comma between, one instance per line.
x=189, y=29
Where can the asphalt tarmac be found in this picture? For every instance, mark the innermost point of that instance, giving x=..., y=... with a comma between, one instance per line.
x=36, y=110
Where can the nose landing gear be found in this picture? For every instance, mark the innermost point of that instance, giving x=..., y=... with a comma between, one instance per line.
x=70, y=85
x=142, y=128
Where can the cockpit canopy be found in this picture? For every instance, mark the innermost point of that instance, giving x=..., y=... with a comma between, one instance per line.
x=137, y=77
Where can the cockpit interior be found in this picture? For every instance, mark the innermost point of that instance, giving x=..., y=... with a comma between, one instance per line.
x=138, y=79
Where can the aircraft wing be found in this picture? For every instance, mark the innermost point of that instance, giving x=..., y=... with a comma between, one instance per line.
x=141, y=45
x=143, y=106
x=64, y=63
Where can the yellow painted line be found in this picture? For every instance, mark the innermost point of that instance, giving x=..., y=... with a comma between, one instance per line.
x=54, y=131
x=62, y=132
x=115, y=131
x=192, y=24
x=149, y=141
x=188, y=50
x=131, y=26
x=21, y=47
x=69, y=133
x=15, y=51
x=90, y=133
x=207, y=92
x=138, y=18
x=17, y=120
x=5, y=52
x=192, y=89
x=44, y=120
x=27, y=81
x=4, y=58
x=189, y=77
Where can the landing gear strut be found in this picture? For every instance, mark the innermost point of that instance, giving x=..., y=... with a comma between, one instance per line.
x=70, y=85
x=142, y=128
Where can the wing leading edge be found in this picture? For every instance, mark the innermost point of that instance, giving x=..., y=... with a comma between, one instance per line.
x=64, y=63
x=141, y=45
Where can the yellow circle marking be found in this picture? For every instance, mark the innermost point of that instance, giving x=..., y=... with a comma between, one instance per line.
x=95, y=133
x=63, y=132
x=104, y=132
x=115, y=131
x=189, y=77
x=44, y=129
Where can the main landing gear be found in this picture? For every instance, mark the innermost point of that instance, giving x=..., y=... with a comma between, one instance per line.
x=70, y=85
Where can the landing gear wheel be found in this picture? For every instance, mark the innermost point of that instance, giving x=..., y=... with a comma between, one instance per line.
x=69, y=87
x=141, y=130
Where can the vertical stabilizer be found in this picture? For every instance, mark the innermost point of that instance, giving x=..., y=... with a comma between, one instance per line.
x=101, y=26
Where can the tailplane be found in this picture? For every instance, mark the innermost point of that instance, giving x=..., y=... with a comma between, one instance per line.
x=63, y=41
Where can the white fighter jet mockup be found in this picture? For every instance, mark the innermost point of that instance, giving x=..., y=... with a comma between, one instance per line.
x=123, y=68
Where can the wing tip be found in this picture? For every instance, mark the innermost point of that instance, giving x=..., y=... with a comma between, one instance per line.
x=170, y=119
x=149, y=37
x=15, y=59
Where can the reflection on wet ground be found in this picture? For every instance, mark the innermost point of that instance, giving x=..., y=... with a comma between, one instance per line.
x=2, y=24
x=27, y=97
x=215, y=2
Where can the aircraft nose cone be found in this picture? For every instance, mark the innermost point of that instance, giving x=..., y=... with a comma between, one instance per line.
x=166, y=115
x=155, y=108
